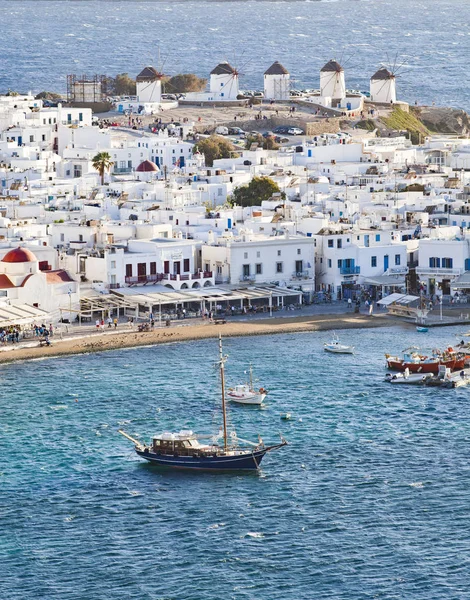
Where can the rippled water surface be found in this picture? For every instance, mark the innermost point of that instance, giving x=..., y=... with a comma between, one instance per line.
x=43, y=40
x=369, y=500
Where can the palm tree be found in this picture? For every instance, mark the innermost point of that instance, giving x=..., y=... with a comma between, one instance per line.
x=102, y=162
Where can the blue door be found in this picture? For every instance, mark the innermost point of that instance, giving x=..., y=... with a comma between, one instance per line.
x=386, y=262
x=157, y=161
x=20, y=140
x=181, y=162
x=229, y=223
x=120, y=108
x=366, y=241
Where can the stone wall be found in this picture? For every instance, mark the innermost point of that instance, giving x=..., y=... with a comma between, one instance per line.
x=311, y=128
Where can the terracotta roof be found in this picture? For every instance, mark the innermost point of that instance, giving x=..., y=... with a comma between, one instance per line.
x=382, y=74
x=59, y=276
x=148, y=74
x=276, y=69
x=223, y=69
x=19, y=255
x=6, y=283
x=25, y=280
x=332, y=66
x=147, y=167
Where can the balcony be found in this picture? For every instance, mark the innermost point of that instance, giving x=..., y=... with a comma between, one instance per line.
x=122, y=170
x=301, y=275
x=350, y=270
x=157, y=277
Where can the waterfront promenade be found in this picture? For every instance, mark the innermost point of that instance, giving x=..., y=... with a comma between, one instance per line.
x=79, y=340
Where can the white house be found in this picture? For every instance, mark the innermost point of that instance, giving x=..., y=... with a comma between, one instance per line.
x=348, y=260
x=440, y=261
x=171, y=262
x=258, y=259
x=277, y=82
x=383, y=87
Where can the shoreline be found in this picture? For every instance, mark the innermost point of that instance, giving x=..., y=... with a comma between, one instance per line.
x=183, y=333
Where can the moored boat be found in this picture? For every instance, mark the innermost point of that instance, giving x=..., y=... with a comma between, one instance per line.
x=186, y=450
x=245, y=393
x=419, y=363
x=335, y=347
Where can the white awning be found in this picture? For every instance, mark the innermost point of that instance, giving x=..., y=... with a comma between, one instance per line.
x=462, y=282
x=387, y=280
x=398, y=299
x=20, y=314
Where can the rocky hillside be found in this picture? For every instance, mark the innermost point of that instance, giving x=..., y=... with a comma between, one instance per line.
x=443, y=120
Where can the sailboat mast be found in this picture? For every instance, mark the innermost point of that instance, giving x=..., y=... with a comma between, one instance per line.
x=251, y=377
x=222, y=381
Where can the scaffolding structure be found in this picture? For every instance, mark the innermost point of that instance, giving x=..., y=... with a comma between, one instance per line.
x=86, y=89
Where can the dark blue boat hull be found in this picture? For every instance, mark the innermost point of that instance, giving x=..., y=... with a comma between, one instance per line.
x=244, y=462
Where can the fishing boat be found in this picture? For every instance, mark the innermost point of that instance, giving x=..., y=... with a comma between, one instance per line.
x=335, y=346
x=416, y=362
x=186, y=450
x=245, y=393
x=421, y=329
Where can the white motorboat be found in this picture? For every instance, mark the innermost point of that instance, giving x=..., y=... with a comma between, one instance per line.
x=408, y=378
x=335, y=346
x=246, y=394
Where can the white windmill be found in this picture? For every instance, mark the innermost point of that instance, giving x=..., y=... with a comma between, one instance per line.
x=224, y=83
x=383, y=87
x=332, y=83
x=149, y=85
x=277, y=82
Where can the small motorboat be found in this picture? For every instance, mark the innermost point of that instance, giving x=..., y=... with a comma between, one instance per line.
x=421, y=329
x=246, y=394
x=408, y=378
x=335, y=346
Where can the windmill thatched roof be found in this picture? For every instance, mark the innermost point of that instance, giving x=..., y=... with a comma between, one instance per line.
x=276, y=69
x=382, y=74
x=223, y=68
x=148, y=74
x=332, y=66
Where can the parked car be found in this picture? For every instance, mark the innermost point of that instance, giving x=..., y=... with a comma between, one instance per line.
x=267, y=134
x=280, y=140
x=283, y=129
x=235, y=131
x=221, y=130
x=258, y=95
x=295, y=131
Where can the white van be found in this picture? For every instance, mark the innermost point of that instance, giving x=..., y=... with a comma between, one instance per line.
x=221, y=130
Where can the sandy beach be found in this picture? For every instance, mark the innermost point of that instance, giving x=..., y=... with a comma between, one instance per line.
x=99, y=342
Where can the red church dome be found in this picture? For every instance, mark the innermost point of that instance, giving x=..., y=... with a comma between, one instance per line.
x=19, y=255
x=147, y=167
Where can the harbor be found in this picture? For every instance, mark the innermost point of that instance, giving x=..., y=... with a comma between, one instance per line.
x=234, y=300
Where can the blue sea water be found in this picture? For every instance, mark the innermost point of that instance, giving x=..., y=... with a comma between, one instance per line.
x=42, y=41
x=371, y=498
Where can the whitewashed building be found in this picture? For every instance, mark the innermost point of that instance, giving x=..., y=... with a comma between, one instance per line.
x=383, y=87
x=277, y=82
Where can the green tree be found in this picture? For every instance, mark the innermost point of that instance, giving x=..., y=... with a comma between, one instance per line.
x=48, y=96
x=102, y=162
x=214, y=147
x=185, y=82
x=259, y=189
x=123, y=85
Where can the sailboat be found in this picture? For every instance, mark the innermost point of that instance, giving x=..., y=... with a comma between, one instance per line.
x=187, y=450
x=245, y=393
